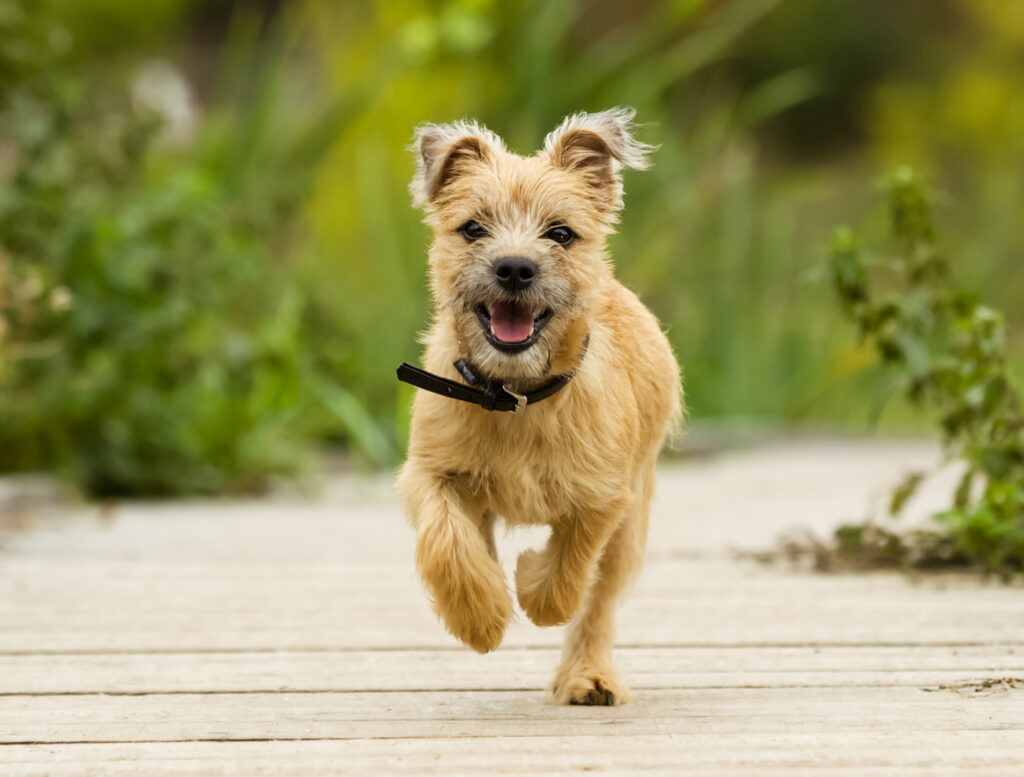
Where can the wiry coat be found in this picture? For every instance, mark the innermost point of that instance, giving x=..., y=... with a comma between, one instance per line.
x=581, y=461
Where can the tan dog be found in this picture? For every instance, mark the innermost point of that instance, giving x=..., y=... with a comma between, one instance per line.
x=524, y=293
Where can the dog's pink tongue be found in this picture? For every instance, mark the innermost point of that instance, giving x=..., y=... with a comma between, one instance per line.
x=511, y=322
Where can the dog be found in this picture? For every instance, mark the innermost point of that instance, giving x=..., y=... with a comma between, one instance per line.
x=569, y=389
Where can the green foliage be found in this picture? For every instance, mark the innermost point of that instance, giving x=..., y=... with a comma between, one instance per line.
x=152, y=336
x=947, y=351
x=766, y=113
x=718, y=255
x=275, y=245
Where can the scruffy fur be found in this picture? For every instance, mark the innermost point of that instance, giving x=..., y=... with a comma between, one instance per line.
x=581, y=461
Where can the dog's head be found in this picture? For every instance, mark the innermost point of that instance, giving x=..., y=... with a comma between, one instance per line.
x=518, y=256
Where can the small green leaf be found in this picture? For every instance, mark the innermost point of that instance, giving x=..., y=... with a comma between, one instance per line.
x=904, y=491
x=962, y=496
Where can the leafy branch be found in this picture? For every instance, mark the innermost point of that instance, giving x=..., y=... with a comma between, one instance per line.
x=949, y=351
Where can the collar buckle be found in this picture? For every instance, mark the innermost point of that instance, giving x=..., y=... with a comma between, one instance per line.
x=520, y=398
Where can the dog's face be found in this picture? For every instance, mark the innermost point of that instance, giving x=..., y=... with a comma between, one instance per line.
x=519, y=242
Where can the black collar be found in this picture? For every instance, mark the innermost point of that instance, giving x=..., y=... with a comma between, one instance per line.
x=494, y=395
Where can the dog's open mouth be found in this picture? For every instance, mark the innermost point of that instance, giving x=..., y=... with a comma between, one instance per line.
x=511, y=326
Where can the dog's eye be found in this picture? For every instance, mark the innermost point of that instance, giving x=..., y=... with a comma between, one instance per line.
x=472, y=230
x=561, y=235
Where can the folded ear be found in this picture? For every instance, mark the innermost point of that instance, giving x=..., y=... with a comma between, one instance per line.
x=598, y=146
x=445, y=151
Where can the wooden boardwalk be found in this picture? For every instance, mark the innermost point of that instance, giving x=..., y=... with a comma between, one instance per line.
x=290, y=637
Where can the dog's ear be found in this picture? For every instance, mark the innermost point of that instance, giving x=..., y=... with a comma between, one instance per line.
x=598, y=146
x=445, y=151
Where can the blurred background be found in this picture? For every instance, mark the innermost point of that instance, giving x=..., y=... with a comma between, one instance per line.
x=209, y=265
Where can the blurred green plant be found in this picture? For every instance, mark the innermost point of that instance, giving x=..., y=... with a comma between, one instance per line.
x=284, y=207
x=962, y=124
x=716, y=254
x=720, y=235
x=947, y=351
x=153, y=339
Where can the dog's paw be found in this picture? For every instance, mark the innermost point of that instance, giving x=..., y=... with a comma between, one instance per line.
x=546, y=598
x=594, y=687
x=477, y=616
x=483, y=634
x=476, y=613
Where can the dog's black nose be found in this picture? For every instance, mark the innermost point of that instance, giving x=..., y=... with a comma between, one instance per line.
x=514, y=273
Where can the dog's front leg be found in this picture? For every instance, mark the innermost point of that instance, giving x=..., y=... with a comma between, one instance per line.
x=550, y=583
x=465, y=582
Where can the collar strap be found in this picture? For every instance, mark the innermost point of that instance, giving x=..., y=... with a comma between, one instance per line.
x=494, y=395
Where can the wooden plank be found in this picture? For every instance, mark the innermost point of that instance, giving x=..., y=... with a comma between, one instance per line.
x=132, y=607
x=844, y=754
x=645, y=668
x=359, y=715
x=815, y=484
x=60, y=582
x=379, y=631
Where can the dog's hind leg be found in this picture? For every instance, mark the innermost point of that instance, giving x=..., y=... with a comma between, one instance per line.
x=466, y=583
x=586, y=674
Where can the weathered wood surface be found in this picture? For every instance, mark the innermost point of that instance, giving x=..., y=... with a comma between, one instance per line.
x=290, y=637
x=123, y=673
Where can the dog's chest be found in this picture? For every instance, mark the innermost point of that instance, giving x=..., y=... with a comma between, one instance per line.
x=527, y=496
x=535, y=478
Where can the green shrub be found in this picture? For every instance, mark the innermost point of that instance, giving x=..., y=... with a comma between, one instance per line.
x=947, y=352
x=153, y=339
